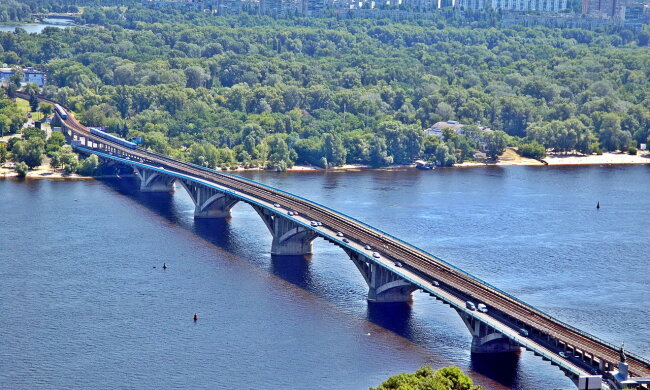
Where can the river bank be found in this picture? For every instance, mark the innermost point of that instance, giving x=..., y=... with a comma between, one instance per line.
x=509, y=158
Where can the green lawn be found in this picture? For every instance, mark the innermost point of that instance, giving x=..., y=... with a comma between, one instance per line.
x=24, y=106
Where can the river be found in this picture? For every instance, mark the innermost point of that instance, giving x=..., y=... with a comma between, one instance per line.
x=85, y=302
x=38, y=27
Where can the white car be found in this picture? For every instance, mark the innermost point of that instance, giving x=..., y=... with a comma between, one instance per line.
x=339, y=234
x=482, y=308
x=313, y=223
x=398, y=264
x=375, y=254
x=289, y=212
x=276, y=204
x=367, y=247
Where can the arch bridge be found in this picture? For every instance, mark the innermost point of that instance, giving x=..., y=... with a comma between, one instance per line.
x=392, y=268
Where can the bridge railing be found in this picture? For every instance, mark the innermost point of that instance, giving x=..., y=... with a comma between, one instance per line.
x=475, y=278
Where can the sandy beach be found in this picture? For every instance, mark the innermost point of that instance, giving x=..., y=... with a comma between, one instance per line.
x=604, y=159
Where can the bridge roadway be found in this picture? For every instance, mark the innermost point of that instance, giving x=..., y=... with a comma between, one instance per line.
x=507, y=314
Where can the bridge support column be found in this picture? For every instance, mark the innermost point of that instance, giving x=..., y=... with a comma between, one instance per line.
x=485, y=339
x=289, y=238
x=208, y=202
x=383, y=285
x=153, y=181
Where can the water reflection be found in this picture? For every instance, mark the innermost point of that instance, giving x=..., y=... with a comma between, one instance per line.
x=502, y=368
x=293, y=269
x=395, y=317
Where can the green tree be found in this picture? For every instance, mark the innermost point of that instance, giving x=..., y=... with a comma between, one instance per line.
x=29, y=151
x=89, y=165
x=532, y=150
x=68, y=159
x=334, y=151
x=22, y=169
x=425, y=378
x=495, y=143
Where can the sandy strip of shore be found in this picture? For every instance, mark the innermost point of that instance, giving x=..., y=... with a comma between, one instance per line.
x=604, y=159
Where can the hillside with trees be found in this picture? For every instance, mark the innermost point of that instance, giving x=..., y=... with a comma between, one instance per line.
x=252, y=90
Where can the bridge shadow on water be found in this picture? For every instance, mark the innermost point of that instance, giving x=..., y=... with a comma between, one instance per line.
x=503, y=368
x=295, y=270
x=395, y=317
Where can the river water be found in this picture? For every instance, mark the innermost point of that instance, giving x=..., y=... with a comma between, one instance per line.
x=82, y=306
x=38, y=27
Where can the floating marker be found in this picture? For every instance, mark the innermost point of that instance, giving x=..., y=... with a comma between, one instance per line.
x=598, y=205
x=196, y=317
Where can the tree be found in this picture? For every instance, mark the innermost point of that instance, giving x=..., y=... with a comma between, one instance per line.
x=611, y=135
x=495, y=143
x=89, y=165
x=46, y=109
x=55, y=161
x=425, y=378
x=533, y=150
x=5, y=124
x=29, y=151
x=68, y=159
x=378, y=153
x=333, y=150
x=22, y=169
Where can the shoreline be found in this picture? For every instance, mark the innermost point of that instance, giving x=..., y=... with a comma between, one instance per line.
x=549, y=161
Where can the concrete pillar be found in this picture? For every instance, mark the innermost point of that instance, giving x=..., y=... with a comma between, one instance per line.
x=208, y=202
x=486, y=339
x=153, y=181
x=289, y=238
x=383, y=285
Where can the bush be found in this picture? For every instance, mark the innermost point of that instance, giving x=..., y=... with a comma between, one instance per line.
x=21, y=169
x=532, y=150
x=631, y=151
x=599, y=152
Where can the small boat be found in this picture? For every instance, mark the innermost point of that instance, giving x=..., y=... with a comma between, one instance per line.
x=421, y=164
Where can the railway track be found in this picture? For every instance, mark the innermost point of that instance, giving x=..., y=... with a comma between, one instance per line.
x=393, y=248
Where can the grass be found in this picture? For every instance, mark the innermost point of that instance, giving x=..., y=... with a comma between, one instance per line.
x=23, y=105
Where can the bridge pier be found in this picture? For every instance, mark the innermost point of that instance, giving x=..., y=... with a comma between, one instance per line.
x=208, y=202
x=289, y=238
x=383, y=285
x=486, y=339
x=152, y=181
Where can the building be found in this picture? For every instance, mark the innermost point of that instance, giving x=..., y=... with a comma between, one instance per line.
x=30, y=75
x=610, y=8
x=517, y=5
x=439, y=127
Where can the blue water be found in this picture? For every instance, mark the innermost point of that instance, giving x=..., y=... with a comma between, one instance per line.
x=82, y=306
x=37, y=27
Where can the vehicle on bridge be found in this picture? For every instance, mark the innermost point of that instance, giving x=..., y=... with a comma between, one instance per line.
x=100, y=133
x=470, y=305
x=62, y=113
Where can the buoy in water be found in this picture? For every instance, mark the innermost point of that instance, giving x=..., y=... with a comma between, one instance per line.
x=598, y=205
x=164, y=265
x=196, y=317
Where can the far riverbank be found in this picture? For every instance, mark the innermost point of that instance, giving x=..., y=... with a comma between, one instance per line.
x=509, y=158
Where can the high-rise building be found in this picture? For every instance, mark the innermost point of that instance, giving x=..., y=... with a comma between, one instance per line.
x=610, y=8
x=517, y=5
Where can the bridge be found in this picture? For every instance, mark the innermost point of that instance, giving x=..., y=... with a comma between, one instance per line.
x=392, y=268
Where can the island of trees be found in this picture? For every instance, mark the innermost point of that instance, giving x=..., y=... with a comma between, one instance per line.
x=250, y=90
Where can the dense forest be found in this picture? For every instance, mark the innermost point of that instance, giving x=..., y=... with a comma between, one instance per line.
x=252, y=90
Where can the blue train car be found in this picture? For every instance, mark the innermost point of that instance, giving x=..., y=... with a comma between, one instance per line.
x=98, y=132
x=61, y=112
